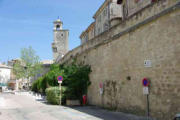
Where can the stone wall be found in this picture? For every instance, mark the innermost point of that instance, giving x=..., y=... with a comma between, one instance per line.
x=119, y=54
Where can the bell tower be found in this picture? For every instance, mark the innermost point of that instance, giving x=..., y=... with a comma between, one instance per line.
x=60, y=44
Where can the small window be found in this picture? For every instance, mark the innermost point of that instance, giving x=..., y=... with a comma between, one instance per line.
x=57, y=27
x=119, y=1
x=99, y=18
x=105, y=12
x=54, y=49
x=105, y=26
x=61, y=34
x=99, y=30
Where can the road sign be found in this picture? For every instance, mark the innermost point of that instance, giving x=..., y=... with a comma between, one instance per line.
x=60, y=79
x=147, y=63
x=145, y=90
x=145, y=82
x=101, y=88
x=101, y=85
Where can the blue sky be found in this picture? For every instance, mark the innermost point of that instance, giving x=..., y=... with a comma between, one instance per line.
x=26, y=23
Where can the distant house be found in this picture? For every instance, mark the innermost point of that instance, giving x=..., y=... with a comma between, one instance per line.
x=5, y=72
x=14, y=83
x=45, y=66
x=24, y=83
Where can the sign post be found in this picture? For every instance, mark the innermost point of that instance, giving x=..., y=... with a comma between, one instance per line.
x=101, y=88
x=60, y=79
x=146, y=83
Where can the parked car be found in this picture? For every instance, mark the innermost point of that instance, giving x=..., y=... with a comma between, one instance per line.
x=0, y=89
x=177, y=117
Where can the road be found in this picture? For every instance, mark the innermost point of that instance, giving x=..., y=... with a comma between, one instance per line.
x=23, y=107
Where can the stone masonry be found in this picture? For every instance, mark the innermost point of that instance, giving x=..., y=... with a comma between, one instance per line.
x=117, y=60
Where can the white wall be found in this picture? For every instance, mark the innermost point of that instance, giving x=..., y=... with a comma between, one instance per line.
x=4, y=75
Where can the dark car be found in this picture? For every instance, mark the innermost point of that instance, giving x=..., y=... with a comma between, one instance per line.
x=0, y=89
x=177, y=117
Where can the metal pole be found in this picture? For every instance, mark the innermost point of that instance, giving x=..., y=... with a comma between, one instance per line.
x=147, y=106
x=60, y=93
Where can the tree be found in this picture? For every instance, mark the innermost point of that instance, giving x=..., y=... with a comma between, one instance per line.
x=29, y=65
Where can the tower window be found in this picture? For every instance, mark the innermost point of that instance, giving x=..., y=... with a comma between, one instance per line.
x=57, y=27
x=119, y=1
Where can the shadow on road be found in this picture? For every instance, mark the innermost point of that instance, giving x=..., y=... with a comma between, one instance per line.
x=107, y=115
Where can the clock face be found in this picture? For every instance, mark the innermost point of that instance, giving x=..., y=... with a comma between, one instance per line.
x=58, y=36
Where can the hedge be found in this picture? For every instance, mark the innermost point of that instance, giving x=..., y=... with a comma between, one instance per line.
x=75, y=78
x=53, y=95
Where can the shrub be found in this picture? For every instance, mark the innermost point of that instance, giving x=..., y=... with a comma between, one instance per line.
x=53, y=95
x=76, y=81
x=75, y=78
x=39, y=85
x=52, y=75
x=42, y=85
x=35, y=86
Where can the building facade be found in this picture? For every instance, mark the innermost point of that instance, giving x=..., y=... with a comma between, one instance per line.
x=111, y=9
x=60, y=44
x=14, y=83
x=110, y=12
x=133, y=6
x=88, y=34
x=45, y=68
x=5, y=72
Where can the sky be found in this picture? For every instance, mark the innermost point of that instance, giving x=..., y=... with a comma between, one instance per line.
x=25, y=23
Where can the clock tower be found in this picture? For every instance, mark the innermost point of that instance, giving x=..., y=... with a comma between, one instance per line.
x=60, y=44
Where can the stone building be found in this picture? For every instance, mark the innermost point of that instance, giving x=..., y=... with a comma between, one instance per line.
x=45, y=68
x=134, y=6
x=88, y=34
x=110, y=12
x=5, y=72
x=14, y=83
x=110, y=9
x=60, y=44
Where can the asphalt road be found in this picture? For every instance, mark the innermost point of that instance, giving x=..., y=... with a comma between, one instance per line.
x=23, y=107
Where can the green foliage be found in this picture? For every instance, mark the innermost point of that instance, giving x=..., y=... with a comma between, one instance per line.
x=35, y=86
x=40, y=85
x=75, y=79
x=53, y=95
x=52, y=75
x=29, y=65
